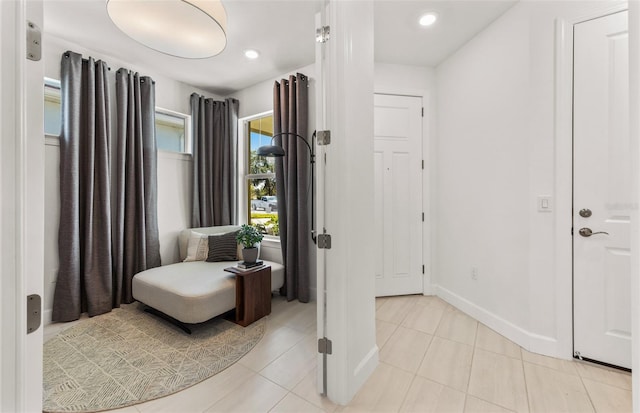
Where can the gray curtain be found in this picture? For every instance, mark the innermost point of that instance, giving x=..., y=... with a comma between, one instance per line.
x=85, y=273
x=293, y=183
x=136, y=245
x=215, y=137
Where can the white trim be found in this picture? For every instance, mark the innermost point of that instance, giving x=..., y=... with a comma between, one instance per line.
x=51, y=140
x=180, y=156
x=53, y=83
x=564, y=175
x=428, y=196
x=634, y=108
x=243, y=166
x=563, y=188
x=530, y=341
x=9, y=377
x=19, y=202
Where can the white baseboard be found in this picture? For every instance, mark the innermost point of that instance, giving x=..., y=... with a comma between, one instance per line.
x=532, y=342
x=46, y=317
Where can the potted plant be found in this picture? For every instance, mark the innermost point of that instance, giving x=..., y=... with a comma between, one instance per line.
x=249, y=237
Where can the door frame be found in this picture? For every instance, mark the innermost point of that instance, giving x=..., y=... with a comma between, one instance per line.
x=22, y=209
x=563, y=191
x=428, y=233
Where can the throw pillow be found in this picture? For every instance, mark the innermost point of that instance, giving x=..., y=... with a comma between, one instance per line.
x=197, y=247
x=223, y=247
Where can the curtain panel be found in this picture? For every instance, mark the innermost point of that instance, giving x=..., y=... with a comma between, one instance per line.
x=293, y=183
x=136, y=245
x=108, y=231
x=85, y=273
x=215, y=161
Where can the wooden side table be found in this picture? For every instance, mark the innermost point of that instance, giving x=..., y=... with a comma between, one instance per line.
x=253, y=294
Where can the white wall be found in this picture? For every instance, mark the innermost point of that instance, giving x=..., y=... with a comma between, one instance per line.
x=496, y=154
x=259, y=97
x=174, y=170
x=403, y=79
x=170, y=94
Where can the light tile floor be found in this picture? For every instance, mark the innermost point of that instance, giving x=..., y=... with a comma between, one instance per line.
x=433, y=358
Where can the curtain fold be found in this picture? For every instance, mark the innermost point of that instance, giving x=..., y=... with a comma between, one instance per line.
x=99, y=254
x=293, y=183
x=85, y=272
x=135, y=230
x=215, y=137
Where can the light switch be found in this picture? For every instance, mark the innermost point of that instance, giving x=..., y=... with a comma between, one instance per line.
x=544, y=204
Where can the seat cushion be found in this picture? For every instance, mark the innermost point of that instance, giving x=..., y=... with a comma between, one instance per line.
x=193, y=292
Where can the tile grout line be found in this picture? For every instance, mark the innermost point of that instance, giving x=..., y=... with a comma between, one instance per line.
x=473, y=356
x=414, y=374
x=524, y=375
x=587, y=392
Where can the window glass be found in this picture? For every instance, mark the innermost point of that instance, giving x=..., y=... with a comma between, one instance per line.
x=171, y=131
x=52, y=107
x=261, y=178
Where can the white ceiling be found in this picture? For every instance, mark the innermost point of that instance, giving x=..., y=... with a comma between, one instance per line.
x=400, y=39
x=283, y=31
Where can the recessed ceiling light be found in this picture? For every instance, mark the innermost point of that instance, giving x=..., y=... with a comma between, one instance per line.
x=251, y=54
x=192, y=29
x=428, y=19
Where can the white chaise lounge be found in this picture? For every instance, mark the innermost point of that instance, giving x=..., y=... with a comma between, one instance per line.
x=194, y=292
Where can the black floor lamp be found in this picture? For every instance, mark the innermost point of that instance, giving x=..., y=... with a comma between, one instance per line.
x=274, y=151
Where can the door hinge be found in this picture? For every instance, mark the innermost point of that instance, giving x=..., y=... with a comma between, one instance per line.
x=323, y=34
x=423, y=112
x=324, y=346
x=423, y=268
x=34, y=42
x=323, y=137
x=423, y=217
x=324, y=241
x=423, y=164
x=34, y=315
x=571, y=230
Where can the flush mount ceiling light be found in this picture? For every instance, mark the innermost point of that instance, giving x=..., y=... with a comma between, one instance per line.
x=193, y=29
x=428, y=19
x=251, y=54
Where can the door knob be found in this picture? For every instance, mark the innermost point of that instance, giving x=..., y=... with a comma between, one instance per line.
x=585, y=213
x=586, y=232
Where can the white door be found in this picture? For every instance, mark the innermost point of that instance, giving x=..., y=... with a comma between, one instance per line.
x=602, y=191
x=398, y=194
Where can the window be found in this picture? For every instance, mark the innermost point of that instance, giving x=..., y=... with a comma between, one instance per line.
x=262, y=203
x=52, y=107
x=172, y=131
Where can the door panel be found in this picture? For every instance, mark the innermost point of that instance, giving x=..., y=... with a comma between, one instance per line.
x=398, y=194
x=602, y=176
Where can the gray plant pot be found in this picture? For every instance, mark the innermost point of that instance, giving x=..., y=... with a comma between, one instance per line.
x=250, y=254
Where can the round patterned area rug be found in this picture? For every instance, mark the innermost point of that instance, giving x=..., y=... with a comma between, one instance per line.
x=128, y=356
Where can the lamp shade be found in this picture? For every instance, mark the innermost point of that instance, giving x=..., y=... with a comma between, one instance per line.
x=192, y=29
x=270, y=151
